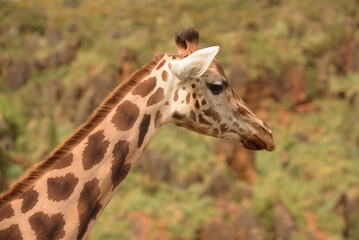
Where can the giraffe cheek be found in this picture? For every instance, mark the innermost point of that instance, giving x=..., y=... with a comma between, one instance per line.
x=211, y=113
x=193, y=116
x=204, y=121
x=188, y=98
x=196, y=104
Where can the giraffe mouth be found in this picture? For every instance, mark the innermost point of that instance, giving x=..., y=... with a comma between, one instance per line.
x=253, y=143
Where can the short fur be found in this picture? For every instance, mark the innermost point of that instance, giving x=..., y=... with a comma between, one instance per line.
x=61, y=151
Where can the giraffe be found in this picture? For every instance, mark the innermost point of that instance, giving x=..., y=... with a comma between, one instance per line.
x=62, y=197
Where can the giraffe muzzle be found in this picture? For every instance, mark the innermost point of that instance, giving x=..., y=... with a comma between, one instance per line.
x=269, y=142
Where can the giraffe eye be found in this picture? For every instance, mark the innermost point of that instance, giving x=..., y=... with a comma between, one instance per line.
x=215, y=88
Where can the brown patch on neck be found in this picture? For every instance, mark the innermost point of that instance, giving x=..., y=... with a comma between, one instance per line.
x=61, y=151
x=61, y=188
x=156, y=97
x=119, y=167
x=29, y=200
x=88, y=205
x=46, y=226
x=6, y=212
x=12, y=232
x=95, y=150
x=145, y=87
x=65, y=162
x=161, y=65
x=145, y=123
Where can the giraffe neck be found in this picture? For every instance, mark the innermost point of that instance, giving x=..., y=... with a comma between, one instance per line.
x=66, y=201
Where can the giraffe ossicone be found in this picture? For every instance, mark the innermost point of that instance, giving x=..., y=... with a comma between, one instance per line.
x=62, y=197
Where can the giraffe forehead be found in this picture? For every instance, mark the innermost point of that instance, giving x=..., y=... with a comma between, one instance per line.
x=212, y=78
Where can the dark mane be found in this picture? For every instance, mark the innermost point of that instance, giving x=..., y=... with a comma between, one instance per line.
x=62, y=150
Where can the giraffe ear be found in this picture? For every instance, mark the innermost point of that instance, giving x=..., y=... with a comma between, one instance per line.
x=195, y=64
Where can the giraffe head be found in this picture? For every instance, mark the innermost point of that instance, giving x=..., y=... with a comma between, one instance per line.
x=203, y=101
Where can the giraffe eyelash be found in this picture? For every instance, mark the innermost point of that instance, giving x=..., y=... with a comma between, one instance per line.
x=215, y=88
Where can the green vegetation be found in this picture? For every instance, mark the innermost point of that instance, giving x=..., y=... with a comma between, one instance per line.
x=59, y=59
